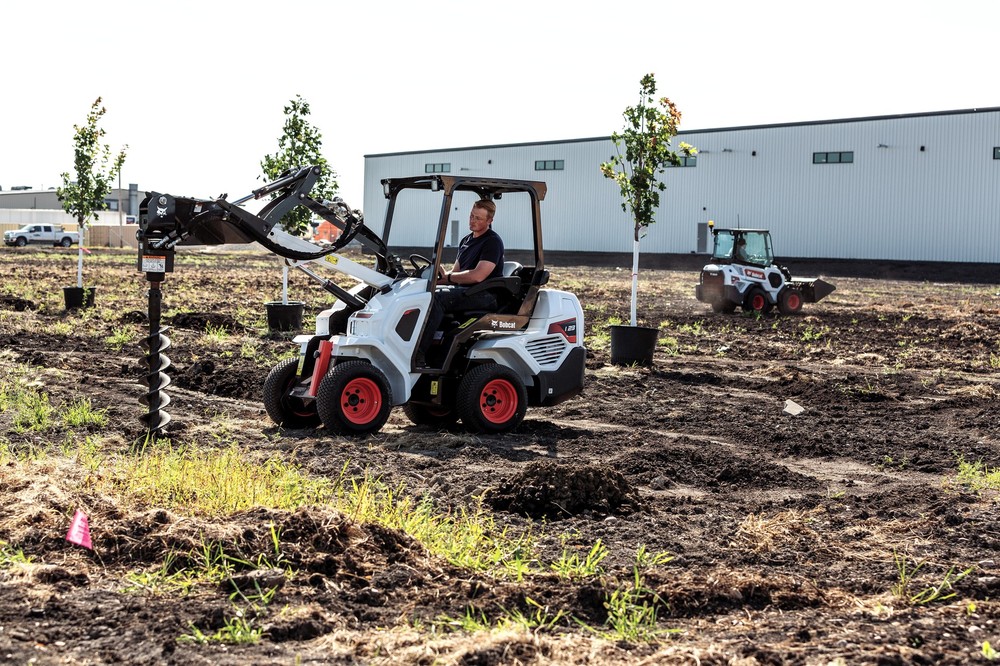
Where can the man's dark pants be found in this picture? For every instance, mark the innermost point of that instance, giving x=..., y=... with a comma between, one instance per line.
x=452, y=299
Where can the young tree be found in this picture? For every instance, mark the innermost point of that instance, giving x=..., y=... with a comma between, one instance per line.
x=298, y=146
x=95, y=171
x=649, y=128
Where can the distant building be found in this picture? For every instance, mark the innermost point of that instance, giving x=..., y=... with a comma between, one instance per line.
x=913, y=187
x=24, y=197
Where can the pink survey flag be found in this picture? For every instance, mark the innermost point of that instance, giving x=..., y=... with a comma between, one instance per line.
x=79, y=531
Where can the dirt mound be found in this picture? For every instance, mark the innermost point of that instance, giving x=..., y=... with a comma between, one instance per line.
x=553, y=491
x=204, y=321
x=215, y=377
x=17, y=304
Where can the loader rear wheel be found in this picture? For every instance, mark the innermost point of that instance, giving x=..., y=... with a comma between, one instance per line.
x=283, y=408
x=723, y=306
x=434, y=417
x=789, y=301
x=492, y=398
x=756, y=301
x=354, y=398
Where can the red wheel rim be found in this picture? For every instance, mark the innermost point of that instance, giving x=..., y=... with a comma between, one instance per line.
x=361, y=401
x=498, y=401
x=794, y=302
x=757, y=302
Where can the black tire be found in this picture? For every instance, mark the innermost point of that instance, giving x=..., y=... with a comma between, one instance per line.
x=723, y=307
x=66, y=242
x=756, y=301
x=285, y=410
x=434, y=417
x=354, y=398
x=492, y=398
x=21, y=241
x=789, y=301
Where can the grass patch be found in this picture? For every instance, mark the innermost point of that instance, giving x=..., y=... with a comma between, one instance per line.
x=978, y=477
x=907, y=588
x=81, y=413
x=212, y=482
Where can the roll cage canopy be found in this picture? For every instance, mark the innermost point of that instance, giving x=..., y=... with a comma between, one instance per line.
x=485, y=188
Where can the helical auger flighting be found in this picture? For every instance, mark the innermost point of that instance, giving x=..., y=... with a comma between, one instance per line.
x=156, y=363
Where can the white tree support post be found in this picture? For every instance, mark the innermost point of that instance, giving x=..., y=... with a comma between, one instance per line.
x=284, y=285
x=79, y=257
x=635, y=278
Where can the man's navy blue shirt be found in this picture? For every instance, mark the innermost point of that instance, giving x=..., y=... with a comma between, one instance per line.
x=488, y=247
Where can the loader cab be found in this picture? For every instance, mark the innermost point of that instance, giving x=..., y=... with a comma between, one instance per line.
x=742, y=246
x=426, y=216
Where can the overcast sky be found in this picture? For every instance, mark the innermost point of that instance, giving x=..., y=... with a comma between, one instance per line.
x=197, y=89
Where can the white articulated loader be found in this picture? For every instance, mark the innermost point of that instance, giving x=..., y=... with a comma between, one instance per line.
x=360, y=361
x=742, y=273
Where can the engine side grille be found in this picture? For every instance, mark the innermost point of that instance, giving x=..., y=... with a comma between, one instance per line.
x=547, y=351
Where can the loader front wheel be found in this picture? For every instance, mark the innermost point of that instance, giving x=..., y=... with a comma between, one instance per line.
x=492, y=398
x=283, y=408
x=756, y=301
x=789, y=301
x=354, y=398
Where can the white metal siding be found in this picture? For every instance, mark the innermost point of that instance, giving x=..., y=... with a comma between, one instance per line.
x=894, y=202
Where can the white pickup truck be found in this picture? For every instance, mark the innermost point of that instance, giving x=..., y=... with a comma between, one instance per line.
x=44, y=234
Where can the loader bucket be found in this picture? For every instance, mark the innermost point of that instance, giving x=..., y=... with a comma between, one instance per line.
x=815, y=290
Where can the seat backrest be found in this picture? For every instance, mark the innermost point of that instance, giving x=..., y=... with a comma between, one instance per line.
x=510, y=267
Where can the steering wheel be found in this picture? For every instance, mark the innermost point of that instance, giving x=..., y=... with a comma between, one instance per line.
x=420, y=263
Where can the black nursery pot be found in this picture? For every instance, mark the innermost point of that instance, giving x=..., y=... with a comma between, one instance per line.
x=633, y=345
x=79, y=297
x=284, y=317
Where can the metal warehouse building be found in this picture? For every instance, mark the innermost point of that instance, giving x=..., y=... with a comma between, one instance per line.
x=914, y=187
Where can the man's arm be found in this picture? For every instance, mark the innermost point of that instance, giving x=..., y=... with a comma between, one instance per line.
x=474, y=276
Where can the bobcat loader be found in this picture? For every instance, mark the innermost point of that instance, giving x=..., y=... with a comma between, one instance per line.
x=742, y=273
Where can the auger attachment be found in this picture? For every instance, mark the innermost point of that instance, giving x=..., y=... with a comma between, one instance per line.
x=167, y=221
x=156, y=363
x=156, y=259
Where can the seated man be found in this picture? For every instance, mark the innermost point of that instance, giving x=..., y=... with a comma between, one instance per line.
x=480, y=256
x=741, y=250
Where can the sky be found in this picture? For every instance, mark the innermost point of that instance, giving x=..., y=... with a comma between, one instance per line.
x=197, y=90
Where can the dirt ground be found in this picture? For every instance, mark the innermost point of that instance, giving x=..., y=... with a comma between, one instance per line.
x=838, y=535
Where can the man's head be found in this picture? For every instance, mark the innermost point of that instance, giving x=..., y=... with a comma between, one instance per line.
x=481, y=216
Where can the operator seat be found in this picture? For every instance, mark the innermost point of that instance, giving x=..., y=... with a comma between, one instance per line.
x=511, y=268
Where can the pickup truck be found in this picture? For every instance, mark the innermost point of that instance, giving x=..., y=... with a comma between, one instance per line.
x=45, y=234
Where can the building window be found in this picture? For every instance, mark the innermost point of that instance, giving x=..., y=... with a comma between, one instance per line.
x=846, y=157
x=440, y=167
x=688, y=161
x=549, y=165
x=996, y=153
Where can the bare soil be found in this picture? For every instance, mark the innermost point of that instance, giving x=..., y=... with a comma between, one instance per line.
x=787, y=532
